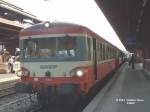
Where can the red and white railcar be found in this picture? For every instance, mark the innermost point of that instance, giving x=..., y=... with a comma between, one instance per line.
x=63, y=58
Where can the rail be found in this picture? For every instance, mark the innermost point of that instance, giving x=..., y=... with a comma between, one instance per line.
x=7, y=88
x=24, y=104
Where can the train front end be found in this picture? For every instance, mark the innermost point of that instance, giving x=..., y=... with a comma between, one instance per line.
x=54, y=61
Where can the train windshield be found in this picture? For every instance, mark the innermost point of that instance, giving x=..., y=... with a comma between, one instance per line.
x=53, y=49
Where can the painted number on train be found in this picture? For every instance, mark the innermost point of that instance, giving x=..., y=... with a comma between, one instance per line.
x=48, y=66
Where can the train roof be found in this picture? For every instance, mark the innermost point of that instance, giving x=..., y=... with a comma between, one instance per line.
x=60, y=27
x=52, y=25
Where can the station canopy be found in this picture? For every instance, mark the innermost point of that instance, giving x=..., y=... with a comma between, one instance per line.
x=130, y=19
x=12, y=20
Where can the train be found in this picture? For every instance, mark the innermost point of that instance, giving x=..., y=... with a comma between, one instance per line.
x=62, y=59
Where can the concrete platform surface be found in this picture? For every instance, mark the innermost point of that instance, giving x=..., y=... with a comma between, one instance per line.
x=127, y=91
x=8, y=77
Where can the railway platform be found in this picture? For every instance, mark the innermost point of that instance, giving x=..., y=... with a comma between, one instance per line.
x=8, y=77
x=127, y=91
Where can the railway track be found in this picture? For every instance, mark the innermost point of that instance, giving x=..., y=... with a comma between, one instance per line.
x=11, y=101
x=21, y=104
x=7, y=91
x=7, y=88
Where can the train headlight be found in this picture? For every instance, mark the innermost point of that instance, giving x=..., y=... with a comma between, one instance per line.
x=79, y=73
x=23, y=72
x=19, y=73
x=47, y=24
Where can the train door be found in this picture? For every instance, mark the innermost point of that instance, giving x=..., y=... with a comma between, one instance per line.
x=94, y=59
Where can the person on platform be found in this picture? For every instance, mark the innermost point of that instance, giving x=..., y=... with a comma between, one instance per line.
x=10, y=63
x=132, y=60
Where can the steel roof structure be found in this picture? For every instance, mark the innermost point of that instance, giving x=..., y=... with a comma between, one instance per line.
x=130, y=20
x=12, y=20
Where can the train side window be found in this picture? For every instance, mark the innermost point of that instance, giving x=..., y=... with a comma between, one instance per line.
x=103, y=52
x=108, y=52
x=115, y=54
x=111, y=53
x=97, y=49
x=99, y=52
x=89, y=48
